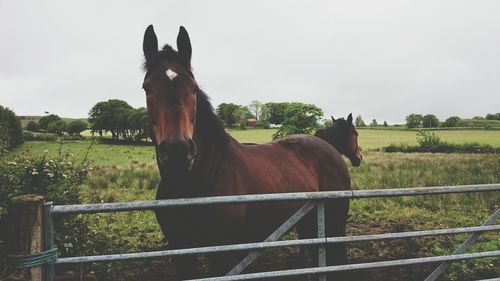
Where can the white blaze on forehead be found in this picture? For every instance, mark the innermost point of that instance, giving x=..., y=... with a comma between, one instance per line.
x=171, y=74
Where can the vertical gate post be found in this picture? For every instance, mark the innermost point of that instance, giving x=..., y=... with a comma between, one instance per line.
x=24, y=230
x=48, y=237
x=320, y=207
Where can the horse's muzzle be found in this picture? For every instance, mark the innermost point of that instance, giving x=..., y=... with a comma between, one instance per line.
x=356, y=160
x=177, y=155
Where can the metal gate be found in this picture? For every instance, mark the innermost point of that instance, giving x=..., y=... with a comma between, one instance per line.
x=315, y=202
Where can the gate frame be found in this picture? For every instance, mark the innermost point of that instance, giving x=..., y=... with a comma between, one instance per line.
x=317, y=198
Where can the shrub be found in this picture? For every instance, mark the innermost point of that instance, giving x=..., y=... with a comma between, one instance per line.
x=76, y=127
x=428, y=140
x=30, y=136
x=32, y=126
x=11, y=132
x=58, y=180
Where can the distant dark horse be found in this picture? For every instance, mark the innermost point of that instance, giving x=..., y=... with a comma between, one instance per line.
x=343, y=136
x=196, y=158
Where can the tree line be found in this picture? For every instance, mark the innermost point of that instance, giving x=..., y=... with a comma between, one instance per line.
x=54, y=124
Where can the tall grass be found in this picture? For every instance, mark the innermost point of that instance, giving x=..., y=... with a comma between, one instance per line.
x=138, y=231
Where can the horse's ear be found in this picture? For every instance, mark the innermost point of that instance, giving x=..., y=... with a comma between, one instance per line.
x=150, y=43
x=184, y=45
x=333, y=119
x=349, y=118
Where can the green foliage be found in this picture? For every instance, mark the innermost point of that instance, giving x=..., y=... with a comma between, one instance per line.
x=429, y=142
x=428, y=139
x=274, y=112
x=359, y=121
x=11, y=133
x=76, y=127
x=451, y=122
x=374, y=123
x=46, y=120
x=413, y=120
x=385, y=124
x=300, y=118
x=233, y=115
x=479, y=123
x=57, y=127
x=120, y=119
x=30, y=136
x=430, y=121
x=495, y=116
x=57, y=179
x=32, y=126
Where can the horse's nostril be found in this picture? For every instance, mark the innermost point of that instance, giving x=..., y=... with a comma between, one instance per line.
x=191, y=149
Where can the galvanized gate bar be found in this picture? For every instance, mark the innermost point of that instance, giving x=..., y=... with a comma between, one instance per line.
x=320, y=207
x=275, y=244
x=336, y=268
x=467, y=243
x=240, y=199
x=48, y=239
x=286, y=226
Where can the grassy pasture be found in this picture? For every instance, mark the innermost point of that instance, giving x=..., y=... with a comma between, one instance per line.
x=370, y=138
x=127, y=173
x=111, y=154
x=138, y=231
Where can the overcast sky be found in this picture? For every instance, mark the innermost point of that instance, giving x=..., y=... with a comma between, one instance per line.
x=377, y=59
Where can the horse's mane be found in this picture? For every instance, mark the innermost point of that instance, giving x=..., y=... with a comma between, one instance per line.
x=207, y=122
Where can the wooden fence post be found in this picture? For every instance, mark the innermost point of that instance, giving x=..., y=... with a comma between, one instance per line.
x=24, y=230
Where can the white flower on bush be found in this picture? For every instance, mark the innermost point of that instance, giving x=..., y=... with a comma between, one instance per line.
x=45, y=151
x=50, y=175
x=34, y=172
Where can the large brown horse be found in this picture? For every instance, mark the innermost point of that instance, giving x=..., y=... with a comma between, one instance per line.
x=196, y=157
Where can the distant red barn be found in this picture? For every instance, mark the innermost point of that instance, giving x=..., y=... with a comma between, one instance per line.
x=252, y=123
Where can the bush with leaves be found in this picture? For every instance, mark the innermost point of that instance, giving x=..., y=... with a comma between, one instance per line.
x=58, y=179
x=11, y=132
x=33, y=126
x=299, y=118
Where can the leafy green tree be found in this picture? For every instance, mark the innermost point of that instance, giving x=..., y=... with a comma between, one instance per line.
x=413, y=120
x=451, y=122
x=385, y=124
x=430, y=121
x=76, y=127
x=44, y=121
x=374, y=123
x=138, y=123
x=58, y=127
x=274, y=112
x=11, y=132
x=359, y=121
x=32, y=126
x=490, y=116
x=110, y=116
x=299, y=118
x=229, y=113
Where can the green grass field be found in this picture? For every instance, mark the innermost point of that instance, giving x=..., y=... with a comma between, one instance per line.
x=370, y=138
x=128, y=173
x=138, y=231
x=111, y=154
